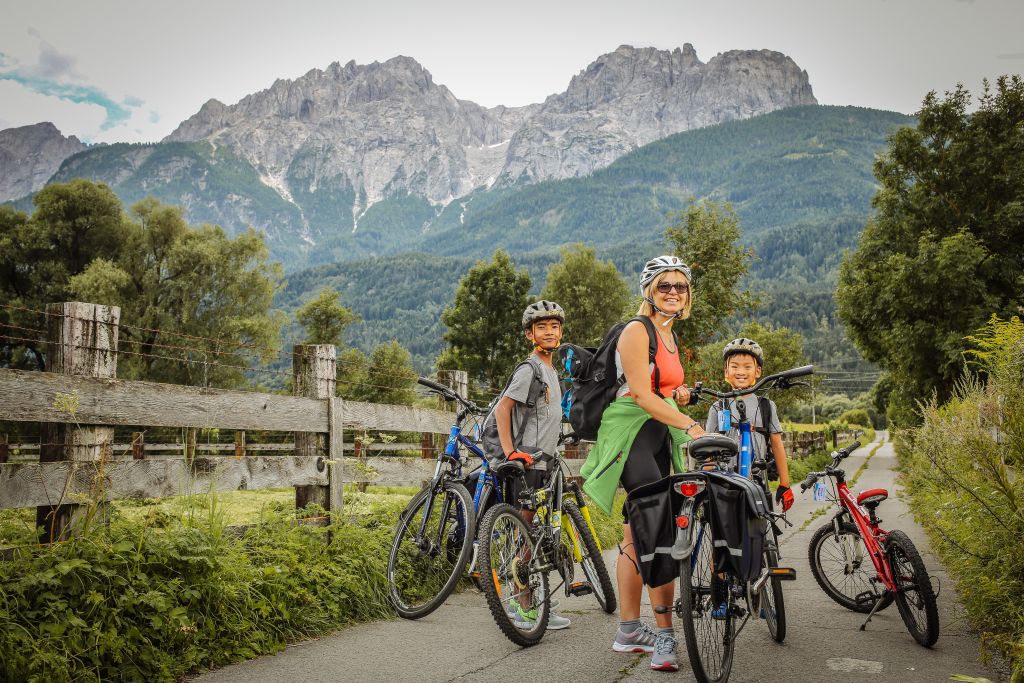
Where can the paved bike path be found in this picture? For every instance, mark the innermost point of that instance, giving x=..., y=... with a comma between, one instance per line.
x=459, y=642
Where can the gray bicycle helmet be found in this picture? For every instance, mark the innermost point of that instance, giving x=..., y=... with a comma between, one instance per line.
x=744, y=345
x=657, y=266
x=542, y=310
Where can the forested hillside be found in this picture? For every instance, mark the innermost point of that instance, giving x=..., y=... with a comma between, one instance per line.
x=800, y=180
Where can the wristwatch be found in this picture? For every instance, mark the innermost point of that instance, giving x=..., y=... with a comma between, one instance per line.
x=692, y=425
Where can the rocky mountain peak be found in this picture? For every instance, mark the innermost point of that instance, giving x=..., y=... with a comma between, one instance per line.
x=30, y=155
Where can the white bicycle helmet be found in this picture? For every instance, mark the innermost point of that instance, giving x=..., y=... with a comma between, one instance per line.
x=542, y=310
x=657, y=266
x=744, y=345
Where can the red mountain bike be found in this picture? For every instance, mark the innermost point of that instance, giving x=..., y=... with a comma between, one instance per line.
x=839, y=550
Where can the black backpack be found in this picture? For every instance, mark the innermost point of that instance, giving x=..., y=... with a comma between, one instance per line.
x=594, y=380
x=489, y=440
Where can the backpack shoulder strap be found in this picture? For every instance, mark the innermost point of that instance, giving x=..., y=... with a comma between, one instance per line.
x=537, y=387
x=652, y=350
x=765, y=410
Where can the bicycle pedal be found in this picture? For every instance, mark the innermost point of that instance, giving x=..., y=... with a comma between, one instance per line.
x=580, y=588
x=783, y=573
x=866, y=598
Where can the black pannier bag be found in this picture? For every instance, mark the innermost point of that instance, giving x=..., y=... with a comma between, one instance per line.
x=739, y=522
x=651, y=509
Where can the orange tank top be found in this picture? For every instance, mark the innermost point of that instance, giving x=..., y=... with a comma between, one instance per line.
x=670, y=371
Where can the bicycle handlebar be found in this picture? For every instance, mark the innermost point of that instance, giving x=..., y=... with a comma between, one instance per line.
x=837, y=456
x=449, y=395
x=777, y=377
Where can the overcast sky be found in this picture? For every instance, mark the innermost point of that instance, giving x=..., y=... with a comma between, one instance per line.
x=132, y=70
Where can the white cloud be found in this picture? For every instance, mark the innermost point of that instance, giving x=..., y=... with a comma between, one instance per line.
x=23, y=107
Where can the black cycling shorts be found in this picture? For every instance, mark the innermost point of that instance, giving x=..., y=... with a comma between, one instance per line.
x=649, y=459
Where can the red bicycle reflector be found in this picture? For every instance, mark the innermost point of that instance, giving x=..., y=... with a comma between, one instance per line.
x=688, y=489
x=682, y=521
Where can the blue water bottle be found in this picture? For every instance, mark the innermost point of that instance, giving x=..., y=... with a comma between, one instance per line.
x=819, y=491
x=724, y=418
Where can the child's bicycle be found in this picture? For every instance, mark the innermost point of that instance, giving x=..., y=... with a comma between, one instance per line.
x=769, y=602
x=516, y=556
x=840, y=552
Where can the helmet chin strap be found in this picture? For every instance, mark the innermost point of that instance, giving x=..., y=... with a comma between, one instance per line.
x=540, y=349
x=670, y=316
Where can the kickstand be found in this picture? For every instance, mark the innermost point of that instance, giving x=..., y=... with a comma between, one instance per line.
x=878, y=603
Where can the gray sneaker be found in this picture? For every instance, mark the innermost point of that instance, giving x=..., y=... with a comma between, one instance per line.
x=664, y=657
x=640, y=640
x=556, y=622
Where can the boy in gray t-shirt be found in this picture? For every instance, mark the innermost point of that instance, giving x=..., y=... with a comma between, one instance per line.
x=538, y=439
x=744, y=360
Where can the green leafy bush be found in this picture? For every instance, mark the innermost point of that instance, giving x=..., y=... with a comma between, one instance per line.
x=856, y=416
x=963, y=468
x=143, y=604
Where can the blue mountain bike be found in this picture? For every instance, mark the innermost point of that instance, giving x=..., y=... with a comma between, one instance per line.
x=435, y=532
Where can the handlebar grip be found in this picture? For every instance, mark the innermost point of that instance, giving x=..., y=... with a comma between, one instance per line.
x=797, y=372
x=808, y=482
x=432, y=385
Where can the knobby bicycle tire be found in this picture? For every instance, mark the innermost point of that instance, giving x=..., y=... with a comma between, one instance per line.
x=916, y=603
x=592, y=561
x=843, y=588
x=503, y=536
x=418, y=589
x=771, y=600
x=710, y=642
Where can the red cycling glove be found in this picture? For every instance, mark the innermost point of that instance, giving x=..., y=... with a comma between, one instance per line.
x=784, y=495
x=528, y=462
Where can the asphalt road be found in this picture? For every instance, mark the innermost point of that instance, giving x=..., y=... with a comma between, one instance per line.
x=459, y=642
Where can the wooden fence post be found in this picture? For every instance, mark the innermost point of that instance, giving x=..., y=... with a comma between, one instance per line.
x=239, y=445
x=314, y=370
x=138, y=445
x=4, y=449
x=83, y=342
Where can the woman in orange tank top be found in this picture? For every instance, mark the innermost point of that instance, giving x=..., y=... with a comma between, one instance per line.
x=665, y=283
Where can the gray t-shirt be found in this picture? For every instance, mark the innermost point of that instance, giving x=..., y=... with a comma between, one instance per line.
x=543, y=423
x=753, y=407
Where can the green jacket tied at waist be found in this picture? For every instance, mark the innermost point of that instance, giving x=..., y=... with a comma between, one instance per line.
x=620, y=424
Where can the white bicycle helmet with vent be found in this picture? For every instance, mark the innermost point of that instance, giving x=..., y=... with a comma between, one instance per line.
x=744, y=345
x=657, y=266
x=542, y=310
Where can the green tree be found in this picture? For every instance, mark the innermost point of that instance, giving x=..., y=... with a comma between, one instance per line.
x=783, y=349
x=353, y=374
x=945, y=249
x=324, y=318
x=390, y=376
x=706, y=236
x=593, y=294
x=195, y=304
x=484, y=334
x=73, y=224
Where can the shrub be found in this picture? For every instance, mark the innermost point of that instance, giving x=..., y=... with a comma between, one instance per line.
x=962, y=466
x=856, y=416
x=138, y=603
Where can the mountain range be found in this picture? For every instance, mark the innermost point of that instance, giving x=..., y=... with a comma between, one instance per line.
x=317, y=160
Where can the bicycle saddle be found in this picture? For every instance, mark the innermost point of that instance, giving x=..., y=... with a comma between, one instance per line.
x=711, y=447
x=872, y=497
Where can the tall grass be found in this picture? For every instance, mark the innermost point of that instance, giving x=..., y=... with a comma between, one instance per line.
x=964, y=467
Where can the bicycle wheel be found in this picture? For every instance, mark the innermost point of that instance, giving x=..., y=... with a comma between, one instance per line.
x=582, y=541
x=427, y=559
x=709, y=640
x=516, y=592
x=772, y=604
x=916, y=598
x=842, y=567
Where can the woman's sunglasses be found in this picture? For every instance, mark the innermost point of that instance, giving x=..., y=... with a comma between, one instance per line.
x=666, y=287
